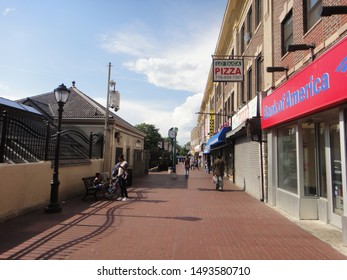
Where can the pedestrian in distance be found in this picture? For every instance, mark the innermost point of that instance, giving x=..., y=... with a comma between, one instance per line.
x=218, y=172
x=122, y=174
x=186, y=166
x=208, y=165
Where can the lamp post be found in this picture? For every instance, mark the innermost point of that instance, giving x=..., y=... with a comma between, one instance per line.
x=173, y=135
x=110, y=84
x=272, y=69
x=61, y=95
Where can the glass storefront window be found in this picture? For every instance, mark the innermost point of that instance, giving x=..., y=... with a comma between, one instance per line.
x=322, y=162
x=287, y=166
x=336, y=169
x=313, y=142
x=309, y=157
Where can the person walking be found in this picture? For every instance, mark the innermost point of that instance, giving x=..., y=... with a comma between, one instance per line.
x=218, y=172
x=208, y=165
x=122, y=174
x=186, y=166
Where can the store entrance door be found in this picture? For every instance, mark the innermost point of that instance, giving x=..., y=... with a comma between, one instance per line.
x=336, y=175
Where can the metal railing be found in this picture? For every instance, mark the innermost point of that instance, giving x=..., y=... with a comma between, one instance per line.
x=27, y=138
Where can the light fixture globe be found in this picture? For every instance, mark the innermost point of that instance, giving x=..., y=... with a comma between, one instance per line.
x=61, y=94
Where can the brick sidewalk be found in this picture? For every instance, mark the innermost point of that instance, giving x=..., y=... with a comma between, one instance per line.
x=165, y=219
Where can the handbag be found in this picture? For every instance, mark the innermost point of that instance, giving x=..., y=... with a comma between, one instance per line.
x=214, y=179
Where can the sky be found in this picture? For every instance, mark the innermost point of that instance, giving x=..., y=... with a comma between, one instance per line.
x=160, y=51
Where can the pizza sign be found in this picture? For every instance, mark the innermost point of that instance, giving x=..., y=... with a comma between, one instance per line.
x=227, y=70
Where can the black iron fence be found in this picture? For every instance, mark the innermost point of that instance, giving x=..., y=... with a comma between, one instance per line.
x=30, y=138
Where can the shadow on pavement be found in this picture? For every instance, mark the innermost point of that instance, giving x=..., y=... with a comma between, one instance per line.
x=19, y=229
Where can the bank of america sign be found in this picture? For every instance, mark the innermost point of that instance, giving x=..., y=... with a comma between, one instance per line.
x=227, y=70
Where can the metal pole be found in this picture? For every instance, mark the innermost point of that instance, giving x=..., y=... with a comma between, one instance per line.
x=3, y=136
x=174, y=154
x=54, y=206
x=106, y=117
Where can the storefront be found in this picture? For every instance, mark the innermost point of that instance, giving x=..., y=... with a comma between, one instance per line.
x=216, y=145
x=305, y=119
x=246, y=152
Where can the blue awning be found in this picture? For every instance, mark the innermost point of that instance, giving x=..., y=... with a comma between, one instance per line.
x=217, y=139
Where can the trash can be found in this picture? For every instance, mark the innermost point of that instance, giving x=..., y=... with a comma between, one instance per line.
x=130, y=177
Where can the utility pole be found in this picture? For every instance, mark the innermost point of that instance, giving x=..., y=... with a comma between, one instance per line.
x=106, y=116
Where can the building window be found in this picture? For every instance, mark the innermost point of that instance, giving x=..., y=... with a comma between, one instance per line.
x=249, y=84
x=227, y=110
x=287, y=32
x=233, y=102
x=243, y=91
x=312, y=9
x=259, y=81
x=286, y=159
x=248, y=36
x=258, y=11
x=242, y=35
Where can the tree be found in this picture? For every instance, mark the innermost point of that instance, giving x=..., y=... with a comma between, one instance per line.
x=151, y=143
x=152, y=138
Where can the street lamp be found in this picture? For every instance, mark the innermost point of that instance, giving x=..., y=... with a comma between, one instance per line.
x=328, y=11
x=61, y=95
x=272, y=69
x=302, y=47
x=173, y=134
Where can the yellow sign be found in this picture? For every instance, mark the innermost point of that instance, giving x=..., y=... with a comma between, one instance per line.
x=211, y=122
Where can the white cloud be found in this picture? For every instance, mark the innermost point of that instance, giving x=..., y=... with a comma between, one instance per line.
x=7, y=11
x=4, y=87
x=179, y=64
x=183, y=117
x=131, y=43
x=171, y=72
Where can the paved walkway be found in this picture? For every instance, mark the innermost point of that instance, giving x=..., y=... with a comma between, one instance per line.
x=165, y=219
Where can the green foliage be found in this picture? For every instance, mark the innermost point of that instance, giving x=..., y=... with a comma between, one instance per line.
x=152, y=138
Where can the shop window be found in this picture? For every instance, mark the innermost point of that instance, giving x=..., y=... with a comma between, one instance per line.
x=322, y=161
x=313, y=141
x=312, y=9
x=309, y=148
x=336, y=169
x=287, y=159
x=287, y=32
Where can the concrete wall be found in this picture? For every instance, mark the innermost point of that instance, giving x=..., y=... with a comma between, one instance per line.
x=24, y=187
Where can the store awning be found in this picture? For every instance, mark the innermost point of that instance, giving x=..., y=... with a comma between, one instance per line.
x=237, y=131
x=217, y=139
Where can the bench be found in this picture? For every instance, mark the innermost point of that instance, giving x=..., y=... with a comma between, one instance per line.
x=89, y=185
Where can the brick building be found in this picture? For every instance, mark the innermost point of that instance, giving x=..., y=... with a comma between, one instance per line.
x=282, y=129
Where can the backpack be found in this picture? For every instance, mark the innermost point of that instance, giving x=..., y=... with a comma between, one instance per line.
x=115, y=170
